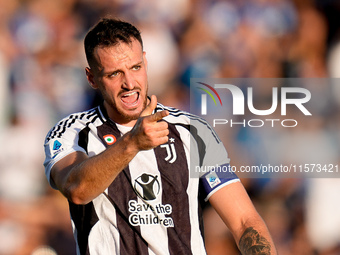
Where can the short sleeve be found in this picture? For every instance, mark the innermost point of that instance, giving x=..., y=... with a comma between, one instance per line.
x=213, y=163
x=57, y=148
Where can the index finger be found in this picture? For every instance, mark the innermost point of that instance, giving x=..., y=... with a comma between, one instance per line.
x=157, y=116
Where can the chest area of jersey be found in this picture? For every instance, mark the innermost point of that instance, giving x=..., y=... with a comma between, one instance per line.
x=154, y=184
x=149, y=172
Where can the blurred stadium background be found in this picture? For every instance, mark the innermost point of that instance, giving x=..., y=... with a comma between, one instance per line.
x=42, y=79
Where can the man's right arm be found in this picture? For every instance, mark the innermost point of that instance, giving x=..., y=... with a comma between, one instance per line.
x=81, y=178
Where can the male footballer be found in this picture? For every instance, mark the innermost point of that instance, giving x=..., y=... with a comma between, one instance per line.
x=124, y=166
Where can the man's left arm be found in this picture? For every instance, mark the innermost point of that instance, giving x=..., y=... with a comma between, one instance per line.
x=236, y=209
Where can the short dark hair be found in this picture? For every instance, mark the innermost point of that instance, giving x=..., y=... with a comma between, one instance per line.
x=108, y=32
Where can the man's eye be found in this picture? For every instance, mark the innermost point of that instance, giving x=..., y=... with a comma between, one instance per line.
x=114, y=74
x=136, y=67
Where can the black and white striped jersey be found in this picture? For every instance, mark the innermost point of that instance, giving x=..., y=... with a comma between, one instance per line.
x=152, y=207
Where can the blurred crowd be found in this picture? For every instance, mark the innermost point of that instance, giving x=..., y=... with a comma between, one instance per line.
x=42, y=79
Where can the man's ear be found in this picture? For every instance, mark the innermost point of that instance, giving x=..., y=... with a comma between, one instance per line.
x=145, y=60
x=90, y=78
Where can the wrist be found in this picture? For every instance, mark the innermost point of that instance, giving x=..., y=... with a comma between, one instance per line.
x=131, y=144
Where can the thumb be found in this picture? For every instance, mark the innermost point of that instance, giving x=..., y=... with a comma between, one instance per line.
x=150, y=107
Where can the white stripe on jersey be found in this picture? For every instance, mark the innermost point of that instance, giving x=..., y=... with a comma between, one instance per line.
x=108, y=220
x=197, y=244
x=145, y=163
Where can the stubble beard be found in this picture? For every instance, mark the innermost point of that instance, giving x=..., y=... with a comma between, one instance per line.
x=123, y=115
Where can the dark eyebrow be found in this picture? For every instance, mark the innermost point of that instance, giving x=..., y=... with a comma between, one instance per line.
x=109, y=72
x=119, y=70
x=137, y=64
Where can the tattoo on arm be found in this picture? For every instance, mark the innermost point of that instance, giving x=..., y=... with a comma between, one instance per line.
x=252, y=243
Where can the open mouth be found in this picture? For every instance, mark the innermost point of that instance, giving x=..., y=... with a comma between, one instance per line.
x=130, y=99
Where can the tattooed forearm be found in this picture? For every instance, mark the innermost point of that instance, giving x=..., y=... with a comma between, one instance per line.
x=252, y=243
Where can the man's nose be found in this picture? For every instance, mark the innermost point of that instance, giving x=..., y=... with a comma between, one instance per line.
x=128, y=81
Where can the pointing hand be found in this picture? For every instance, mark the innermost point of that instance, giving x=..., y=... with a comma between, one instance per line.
x=149, y=130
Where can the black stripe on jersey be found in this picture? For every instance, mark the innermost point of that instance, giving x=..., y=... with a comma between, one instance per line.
x=61, y=127
x=200, y=143
x=101, y=114
x=91, y=114
x=53, y=132
x=131, y=240
x=72, y=121
x=84, y=138
x=84, y=133
x=107, y=128
x=104, y=115
x=175, y=179
x=161, y=107
x=201, y=152
x=84, y=218
x=177, y=113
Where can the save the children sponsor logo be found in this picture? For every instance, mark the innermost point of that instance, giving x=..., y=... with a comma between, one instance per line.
x=147, y=186
x=147, y=210
x=143, y=213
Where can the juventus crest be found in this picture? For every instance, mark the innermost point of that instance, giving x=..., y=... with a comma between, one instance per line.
x=170, y=150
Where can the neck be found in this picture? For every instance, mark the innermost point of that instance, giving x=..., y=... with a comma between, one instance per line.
x=117, y=117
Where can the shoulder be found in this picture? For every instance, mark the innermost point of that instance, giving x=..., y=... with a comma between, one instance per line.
x=75, y=122
x=177, y=115
x=195, y=124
